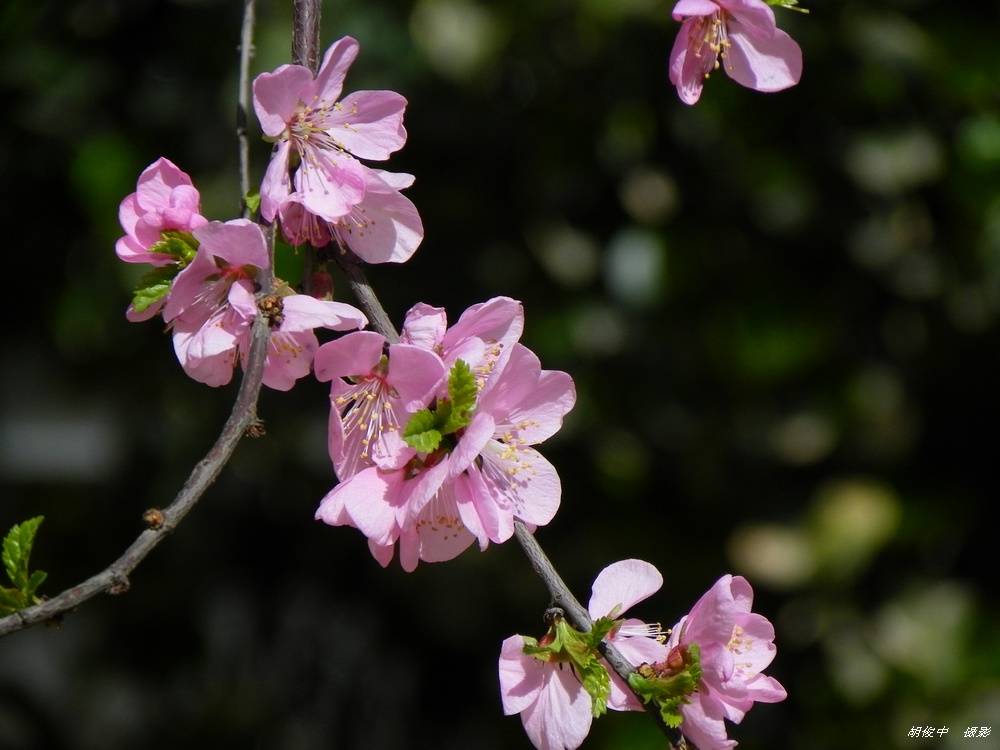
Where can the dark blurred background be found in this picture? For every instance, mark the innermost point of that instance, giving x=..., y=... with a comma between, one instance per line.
x=780, y=312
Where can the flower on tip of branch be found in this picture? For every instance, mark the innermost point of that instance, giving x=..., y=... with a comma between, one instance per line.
x=741, y=37
x=734, y=646
x=560, y=682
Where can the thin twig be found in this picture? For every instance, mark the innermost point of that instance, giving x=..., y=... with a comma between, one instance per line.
x=115, y=578
x=305, y=51
x=243, y=419
x=350, y=264
x=243, y=102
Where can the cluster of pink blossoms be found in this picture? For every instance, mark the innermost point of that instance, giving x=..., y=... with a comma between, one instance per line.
x=204, y=284
x=729, y=643
x=204, y=273
x=436, y=499
x=741, y=37
x=432, y=437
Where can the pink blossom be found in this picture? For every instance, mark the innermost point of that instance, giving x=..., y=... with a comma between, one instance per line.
x=617, y=588
x=735, y=646
x=293, y=343
x=482, y=337
x=739, y=35
x=229, y=254
x=164, y=199
x=374, y=399
x=492, y=476
x=324, y=134
x=209, y=351
x=212, y=305
x=209, y=348
x=554, y=707
x=474, y=485
x=372, y=396
x=383, y=228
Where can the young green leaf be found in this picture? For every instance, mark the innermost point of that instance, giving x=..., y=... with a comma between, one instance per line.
x=462, y=393
x=789, y=4
x=668, y=686
x=182, y=245
x=421, y=432
x=16, y=555
x=153, y=286
x=581, y=648
x=252, y=200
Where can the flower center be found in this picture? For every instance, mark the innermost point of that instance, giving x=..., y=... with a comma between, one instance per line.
x=741, y=645
x=309, y=127
x=366, y=413
x=711, y=31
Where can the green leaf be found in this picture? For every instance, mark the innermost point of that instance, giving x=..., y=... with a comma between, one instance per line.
x=581, y=650
x=36, y=580
x=667, y=684
x=153, y=286
x=16, y=554
x=182, y=245
x=426, y=428
x=462, y=394
x=10, y=601
x=17, y=549
x=600, y=629
x=421, y=432
x=789, y=4
x=252, y=200
x=563, y=643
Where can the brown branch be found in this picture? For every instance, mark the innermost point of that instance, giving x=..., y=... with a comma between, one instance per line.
x=305, y=33
x=115, y=578
x=242, y=420
x=243, y=102
x=350, y=264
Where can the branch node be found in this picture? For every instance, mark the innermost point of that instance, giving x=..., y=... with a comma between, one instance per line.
x=54, y=622
x=256, y=429
x=272, y=308
x=154, y=519
x=119, y=584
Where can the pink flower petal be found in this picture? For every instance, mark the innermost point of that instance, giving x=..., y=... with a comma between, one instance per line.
x=760, y=63
x=277, y=94
x=621, y=585
x=353, y=355
x=369, y=124
x=304, y=313
x=332, y=71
